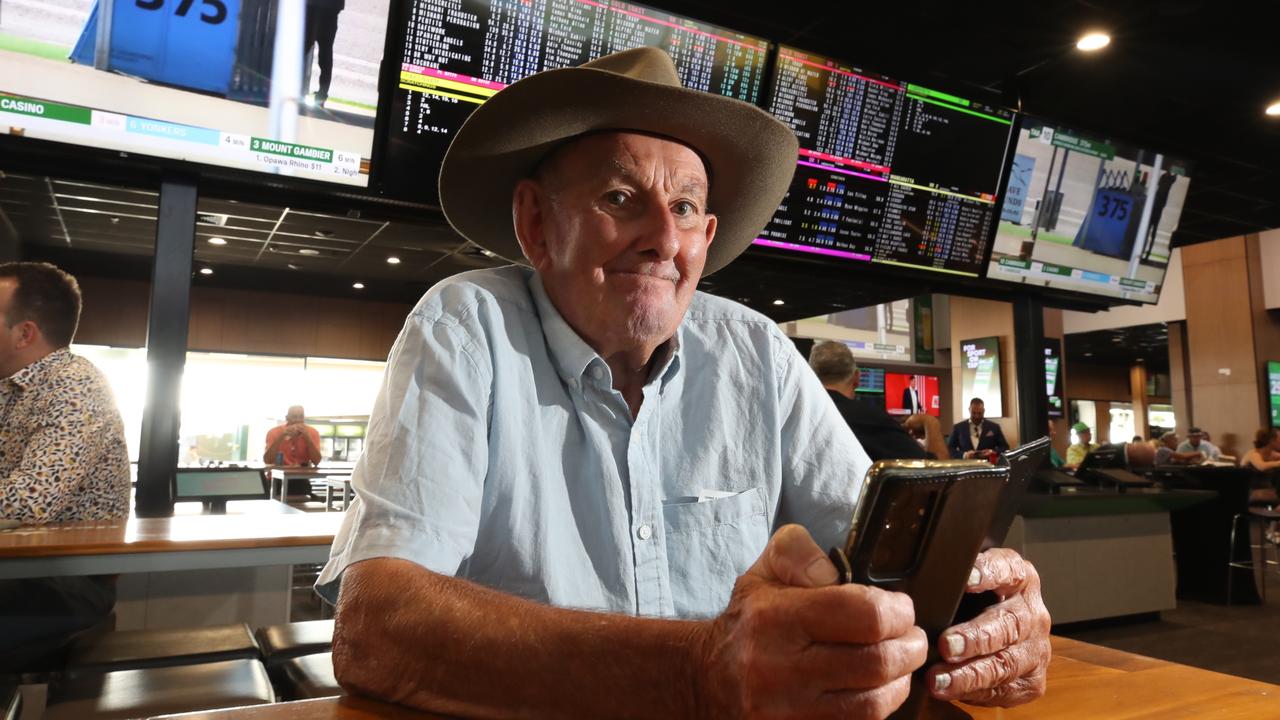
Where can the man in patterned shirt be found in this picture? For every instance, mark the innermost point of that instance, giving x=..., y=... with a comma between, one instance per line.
x=63, y=456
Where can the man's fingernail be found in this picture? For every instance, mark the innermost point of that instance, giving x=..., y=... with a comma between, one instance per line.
x=955, y=644
x=942, y=681
x=975, y=577
x=821, y=572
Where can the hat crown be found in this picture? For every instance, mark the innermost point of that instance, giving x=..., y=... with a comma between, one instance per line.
x=643, y=63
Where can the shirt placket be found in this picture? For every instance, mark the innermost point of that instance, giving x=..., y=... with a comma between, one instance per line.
x=653, y=596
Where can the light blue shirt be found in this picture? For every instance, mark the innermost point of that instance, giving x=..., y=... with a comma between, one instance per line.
x=498, y=451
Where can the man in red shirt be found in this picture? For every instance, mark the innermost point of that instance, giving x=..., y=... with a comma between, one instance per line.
x=298, y=442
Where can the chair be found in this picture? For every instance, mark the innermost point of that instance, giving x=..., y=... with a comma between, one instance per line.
x=310, y=676
x=138, y=649
x=161, y=691
x=1262, y=517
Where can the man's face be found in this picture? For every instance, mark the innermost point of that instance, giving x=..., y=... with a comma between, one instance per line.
x=1194, y=440
x=1170, y=442
x=617, y=226
x=1086, y=436
x=12, y=339
x=976, y=412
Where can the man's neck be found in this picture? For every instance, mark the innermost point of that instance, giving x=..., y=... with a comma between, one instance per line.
x=26, y=359
x=845, y=389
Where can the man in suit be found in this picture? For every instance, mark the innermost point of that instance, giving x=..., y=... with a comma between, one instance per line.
x=878, y=431
x=973, y=437
x=911, y=399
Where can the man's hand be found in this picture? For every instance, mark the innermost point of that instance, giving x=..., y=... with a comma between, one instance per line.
x=1001, y=656
x=970, y=454
x=793, y=644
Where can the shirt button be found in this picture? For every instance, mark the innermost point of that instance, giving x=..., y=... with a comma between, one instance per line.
x=645, y=532
x=597, y=373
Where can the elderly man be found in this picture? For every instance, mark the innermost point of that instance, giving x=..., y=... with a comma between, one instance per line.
x=580, y=481
x=63, y=456
x=1167, y=452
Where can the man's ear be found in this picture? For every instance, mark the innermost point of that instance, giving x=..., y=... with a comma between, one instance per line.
x=28, y=333
x=528, y=215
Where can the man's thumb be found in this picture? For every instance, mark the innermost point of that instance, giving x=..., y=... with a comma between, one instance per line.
x=793, y=558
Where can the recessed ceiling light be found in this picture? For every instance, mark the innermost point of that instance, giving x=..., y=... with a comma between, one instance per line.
x=358, y=286
x=206, y=271
x=393, y=260
x=308, y=251
x=1088, y=354
x=779, y=302
x=291, y=266
x=1139, y=359
x=217, y=241
x=1093, y=41
x=1273, y=109
x=324, y=233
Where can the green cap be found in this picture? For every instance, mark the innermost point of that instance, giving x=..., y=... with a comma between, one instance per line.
x=1081, y=427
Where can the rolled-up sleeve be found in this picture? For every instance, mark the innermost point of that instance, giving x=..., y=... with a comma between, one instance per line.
x=419, y=483
x=823, y=464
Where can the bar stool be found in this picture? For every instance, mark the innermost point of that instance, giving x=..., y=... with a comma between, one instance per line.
x=137, y=649
x=161, y=691
x=310, y=676
x=282, y=642
x=1263, y=517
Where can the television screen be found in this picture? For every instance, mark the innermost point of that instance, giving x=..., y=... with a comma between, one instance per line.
x=1053, y=376
x=1088, y=214
x=199, y=484
x=456, y=55
x=1273, y=383
x=980, y=374
x=910, y=394
x=870, y=381
x=888, y=172
x=208, y=81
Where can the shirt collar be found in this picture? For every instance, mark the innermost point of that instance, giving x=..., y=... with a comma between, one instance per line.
x=572, y=355
x=31, y=374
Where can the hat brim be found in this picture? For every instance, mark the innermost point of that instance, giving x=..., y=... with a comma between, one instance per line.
x=752, y=157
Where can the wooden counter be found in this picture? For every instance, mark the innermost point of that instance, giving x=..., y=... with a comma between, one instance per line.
x=183, y=542
x=1085, y=681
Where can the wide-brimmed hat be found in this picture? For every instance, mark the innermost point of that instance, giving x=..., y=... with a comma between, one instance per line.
x=750, y=155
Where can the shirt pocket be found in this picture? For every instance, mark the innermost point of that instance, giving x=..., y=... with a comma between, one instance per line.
x=709, y=544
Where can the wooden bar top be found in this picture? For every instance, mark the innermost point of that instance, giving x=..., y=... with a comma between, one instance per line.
x=1085, y=681
x=171, y=534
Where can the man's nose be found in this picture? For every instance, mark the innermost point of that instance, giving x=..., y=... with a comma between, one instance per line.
x=658, y=233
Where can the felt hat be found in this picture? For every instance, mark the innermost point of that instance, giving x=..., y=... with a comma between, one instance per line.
x=750, y=156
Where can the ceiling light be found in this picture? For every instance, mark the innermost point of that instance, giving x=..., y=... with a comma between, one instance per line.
x=217, y=241
x=393, y=260
x=358, y=286
x=1273, y=109
x=779, y=302
x=1093, y=41
x=324, y=233
x=206, y=271
x=291, y=266
x=308, y=251
x=1088, y=354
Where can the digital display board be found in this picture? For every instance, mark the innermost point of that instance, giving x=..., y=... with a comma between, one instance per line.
x=888, y=171
x=458, y=53
x=870, y=381
x=1088, y=214
x=980, y=374
x=1273, y=384
x=1053, y=376
x=911, y=394
x=193, y=80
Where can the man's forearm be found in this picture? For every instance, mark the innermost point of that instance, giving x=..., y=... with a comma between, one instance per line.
x=411, y=636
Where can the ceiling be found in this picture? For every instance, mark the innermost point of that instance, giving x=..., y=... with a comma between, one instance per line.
x=1125, y=347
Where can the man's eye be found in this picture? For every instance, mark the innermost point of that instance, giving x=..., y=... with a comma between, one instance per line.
x=615, y=197
x=685, y=208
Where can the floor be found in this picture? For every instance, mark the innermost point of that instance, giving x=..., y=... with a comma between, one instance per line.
x=1241, y=640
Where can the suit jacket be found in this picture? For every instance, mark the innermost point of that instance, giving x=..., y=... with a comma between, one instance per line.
x=991, y=438
x=881, y=436
x=911, y=400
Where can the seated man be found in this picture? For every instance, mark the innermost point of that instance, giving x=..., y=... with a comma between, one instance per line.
x=1167, y=453
x=63, y=456
x=879, y=434
x=574, y=471
x=1077, y=452
x=975, y=437
x=1197, y=442
x=293, y=443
